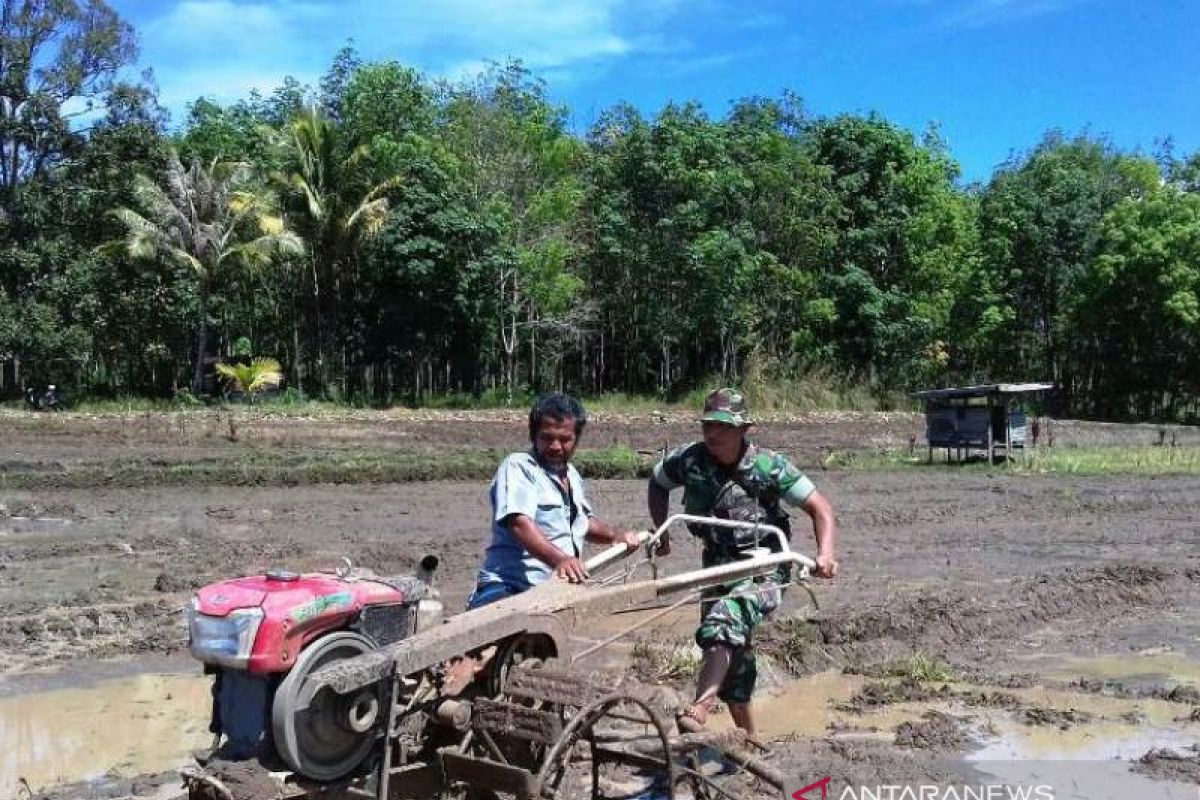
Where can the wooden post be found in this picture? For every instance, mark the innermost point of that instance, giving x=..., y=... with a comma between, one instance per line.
x=990, y=459
x=1025, y=438
x=1007, y=436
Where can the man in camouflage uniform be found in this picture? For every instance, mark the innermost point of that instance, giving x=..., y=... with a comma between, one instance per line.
x=727, y=476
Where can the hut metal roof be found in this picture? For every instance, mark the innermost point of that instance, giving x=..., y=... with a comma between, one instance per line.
x=984, y=390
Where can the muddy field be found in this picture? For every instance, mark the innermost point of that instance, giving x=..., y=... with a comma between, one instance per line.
x=983, y=624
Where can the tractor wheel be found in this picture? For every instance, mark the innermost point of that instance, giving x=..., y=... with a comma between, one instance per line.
x=324, y=735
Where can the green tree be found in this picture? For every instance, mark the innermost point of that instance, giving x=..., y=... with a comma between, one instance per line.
x=204, y=220
x=905, y=240
x=1040, y=218
x=87, y=322
x=334, y=207
x=58, y=60
x=1137, y=311
x=520, y=168
x=253, y=378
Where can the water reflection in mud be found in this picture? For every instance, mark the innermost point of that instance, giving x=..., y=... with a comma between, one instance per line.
x=145, y=723
x=1150, y=666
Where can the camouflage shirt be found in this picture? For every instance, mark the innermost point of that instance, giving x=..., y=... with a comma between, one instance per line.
x=753, y=490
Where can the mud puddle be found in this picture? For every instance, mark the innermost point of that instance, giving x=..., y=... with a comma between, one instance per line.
x=1083, y=745
x=1096, y=763
x=1149, y=666
x=803, y=707
x=129, y=726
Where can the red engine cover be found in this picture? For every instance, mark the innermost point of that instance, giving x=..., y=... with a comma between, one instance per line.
x=294, y=611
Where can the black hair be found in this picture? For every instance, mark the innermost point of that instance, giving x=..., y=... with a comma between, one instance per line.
x=558, y=406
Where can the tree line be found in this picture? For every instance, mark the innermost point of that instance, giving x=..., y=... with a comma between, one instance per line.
x=390, y=237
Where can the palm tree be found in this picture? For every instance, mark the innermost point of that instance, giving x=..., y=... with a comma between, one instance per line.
x=334, y=208
x=257, y=376
x=203, y=220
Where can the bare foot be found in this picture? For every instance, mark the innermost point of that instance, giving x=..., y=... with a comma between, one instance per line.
x=693, y=718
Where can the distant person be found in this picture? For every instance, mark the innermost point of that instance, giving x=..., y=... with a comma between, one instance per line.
x=725, y=475
x=540, y=513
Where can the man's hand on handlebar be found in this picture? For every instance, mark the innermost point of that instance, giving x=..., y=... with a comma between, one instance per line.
x=827, y=565
x=572, y=569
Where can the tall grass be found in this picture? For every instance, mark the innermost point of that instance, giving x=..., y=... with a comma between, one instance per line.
x=769, y=391
x=1091, y=460
x=1146, y=460
x=920, y=666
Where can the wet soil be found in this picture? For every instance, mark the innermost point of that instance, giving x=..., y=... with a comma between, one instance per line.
x=936, y=731
x=1169, y=765
x=1051, y=600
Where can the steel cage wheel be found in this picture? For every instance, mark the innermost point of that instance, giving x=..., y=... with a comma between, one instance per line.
x=559, y=777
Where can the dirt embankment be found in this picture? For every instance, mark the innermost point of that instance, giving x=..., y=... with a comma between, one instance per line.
x=1168, y=765
x=973, y=630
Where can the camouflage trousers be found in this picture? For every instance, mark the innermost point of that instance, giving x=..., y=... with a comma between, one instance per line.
x=730, y=619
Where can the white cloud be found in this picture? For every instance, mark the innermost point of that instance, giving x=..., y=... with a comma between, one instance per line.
x=980, y=13
x=223, y=84
x=223, y=47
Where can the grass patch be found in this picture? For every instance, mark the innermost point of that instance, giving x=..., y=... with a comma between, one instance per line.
x=1113, y=460
x=789, y=640
x=767, y=391
x=279, y=407
x=661, y=663
x=920, y=666
x=250, y=467
x=612, y=462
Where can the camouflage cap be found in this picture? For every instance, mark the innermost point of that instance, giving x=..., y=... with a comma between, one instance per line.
x=728, y=406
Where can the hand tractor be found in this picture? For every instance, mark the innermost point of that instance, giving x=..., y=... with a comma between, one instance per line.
x=345, y=684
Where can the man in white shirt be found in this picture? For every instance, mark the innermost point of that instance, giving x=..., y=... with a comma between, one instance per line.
x=540, y=512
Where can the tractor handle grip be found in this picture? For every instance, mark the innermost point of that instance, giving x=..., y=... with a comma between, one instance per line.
x=613, y=553
x=647, y=539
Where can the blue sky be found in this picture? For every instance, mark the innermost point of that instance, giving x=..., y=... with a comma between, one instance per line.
x=994, y=74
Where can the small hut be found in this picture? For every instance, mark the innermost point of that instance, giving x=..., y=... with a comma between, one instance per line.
x=987, y=417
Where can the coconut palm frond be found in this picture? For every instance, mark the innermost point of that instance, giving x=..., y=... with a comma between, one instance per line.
x=369, y=217
x=142, y=241
x=242, y=202
x=288, y=243
x=132, y=221
x=257, y=376
x=316, y=209
x=187, y=260
x=152, y=199
x=394, y=182
x=271, y=224
x=175, y=179
x=254, y=253
x=143, y=245
x=358, y=155
x=264, y=249
x=267, y=373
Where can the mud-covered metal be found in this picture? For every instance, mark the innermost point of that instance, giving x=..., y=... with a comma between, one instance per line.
x=528, y=720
